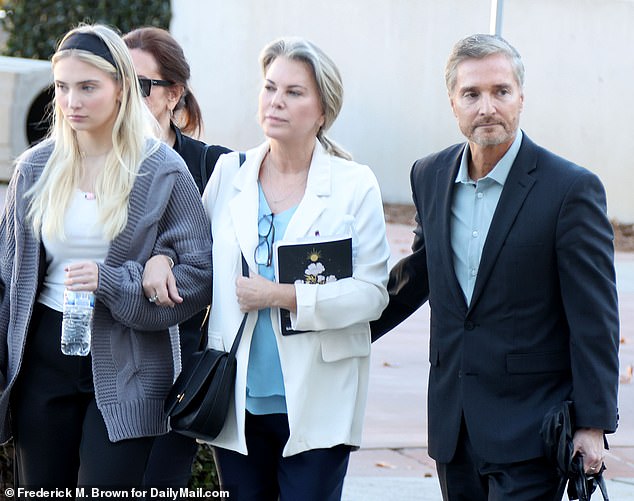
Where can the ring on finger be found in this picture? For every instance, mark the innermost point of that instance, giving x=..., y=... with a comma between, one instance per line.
x=153, y=299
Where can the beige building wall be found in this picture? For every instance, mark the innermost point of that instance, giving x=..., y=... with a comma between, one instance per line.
x=391, y=53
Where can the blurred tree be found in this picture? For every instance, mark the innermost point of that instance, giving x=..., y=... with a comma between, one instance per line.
x=34, y=27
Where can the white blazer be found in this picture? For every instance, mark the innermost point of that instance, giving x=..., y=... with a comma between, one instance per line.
x=326, y=370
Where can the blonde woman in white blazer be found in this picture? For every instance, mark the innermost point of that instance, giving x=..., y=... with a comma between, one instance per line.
x=299, y=399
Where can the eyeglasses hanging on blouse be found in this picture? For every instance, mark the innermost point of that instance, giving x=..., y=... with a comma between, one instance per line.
x=264, y=251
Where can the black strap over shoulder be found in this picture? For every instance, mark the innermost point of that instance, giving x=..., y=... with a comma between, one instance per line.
x=236, y=341
x=203, y=165
x=245, y=272
x=203, y=326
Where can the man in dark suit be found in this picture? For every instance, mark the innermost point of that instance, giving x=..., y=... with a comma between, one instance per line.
x=514, y=251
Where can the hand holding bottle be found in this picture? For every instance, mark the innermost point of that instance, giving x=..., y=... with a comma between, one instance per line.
x=83, y=276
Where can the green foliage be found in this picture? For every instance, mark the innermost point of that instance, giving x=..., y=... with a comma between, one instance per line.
x=35, y=26
x=6, y=466
x=204, y=469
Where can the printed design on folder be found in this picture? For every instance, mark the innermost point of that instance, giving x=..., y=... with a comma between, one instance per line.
x=316, y=261
x=315, y=272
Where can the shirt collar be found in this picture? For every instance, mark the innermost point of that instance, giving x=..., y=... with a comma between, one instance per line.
x=500, y=172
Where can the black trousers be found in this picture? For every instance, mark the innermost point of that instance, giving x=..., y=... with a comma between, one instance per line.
x=59, y=434
x=170, y=462
x=264, y=475
x=468, y=478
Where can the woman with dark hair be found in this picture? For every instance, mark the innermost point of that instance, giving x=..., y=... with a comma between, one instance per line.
x=164, y=78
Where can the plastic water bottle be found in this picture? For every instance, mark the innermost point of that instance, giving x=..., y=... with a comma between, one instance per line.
x=76, y=322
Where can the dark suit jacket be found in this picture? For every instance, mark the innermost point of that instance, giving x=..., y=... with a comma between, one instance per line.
x=542, y=325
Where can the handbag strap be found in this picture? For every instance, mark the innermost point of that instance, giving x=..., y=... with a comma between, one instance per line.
x=204, y=175
x=203, y=166
x=203, y=172
x=245, y=273
x=236, y=341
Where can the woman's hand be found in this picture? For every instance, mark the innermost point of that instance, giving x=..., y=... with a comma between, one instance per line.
x=159, y=284
x=256, y=293
x=82, y=276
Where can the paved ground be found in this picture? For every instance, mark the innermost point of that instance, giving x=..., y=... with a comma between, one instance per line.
x=393, y=463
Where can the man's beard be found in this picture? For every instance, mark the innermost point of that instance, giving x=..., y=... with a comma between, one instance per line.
x=492, y=139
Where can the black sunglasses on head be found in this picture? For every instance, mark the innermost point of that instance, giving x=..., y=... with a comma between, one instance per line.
x=146, y=85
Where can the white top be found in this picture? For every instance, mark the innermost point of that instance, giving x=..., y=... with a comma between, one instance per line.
x=84, y=242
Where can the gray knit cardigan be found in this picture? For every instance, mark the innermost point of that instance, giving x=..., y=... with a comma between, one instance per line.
x=134, y=350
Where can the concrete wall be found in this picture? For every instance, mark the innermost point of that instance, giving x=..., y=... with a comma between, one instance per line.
x=391, y=54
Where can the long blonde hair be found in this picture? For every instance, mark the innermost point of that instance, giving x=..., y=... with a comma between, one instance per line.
x=133, y=126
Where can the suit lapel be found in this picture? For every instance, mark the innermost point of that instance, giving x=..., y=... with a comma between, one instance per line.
x=445, y=183
x=243, y=206
x=516, y=188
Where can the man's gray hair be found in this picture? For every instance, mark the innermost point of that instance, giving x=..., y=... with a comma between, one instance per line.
x=477, y=47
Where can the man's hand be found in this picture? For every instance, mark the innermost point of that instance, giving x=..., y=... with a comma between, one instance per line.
x=588, y=442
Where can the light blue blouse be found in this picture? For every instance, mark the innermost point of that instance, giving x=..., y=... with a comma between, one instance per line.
x=265, y=382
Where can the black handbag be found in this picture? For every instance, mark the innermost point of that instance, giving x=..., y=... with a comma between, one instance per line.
x=557, y=432
x=199, y=399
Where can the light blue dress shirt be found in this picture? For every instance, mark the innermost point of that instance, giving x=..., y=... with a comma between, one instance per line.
x=265, y=382
x=472, y=209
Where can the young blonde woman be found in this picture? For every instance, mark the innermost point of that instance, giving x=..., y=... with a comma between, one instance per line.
x=85, y=210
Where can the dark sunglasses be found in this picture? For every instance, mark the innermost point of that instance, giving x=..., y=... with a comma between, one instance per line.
x=264, y=250
x=146, y=85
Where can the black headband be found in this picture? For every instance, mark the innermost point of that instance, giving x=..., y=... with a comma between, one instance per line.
x=88, y=42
